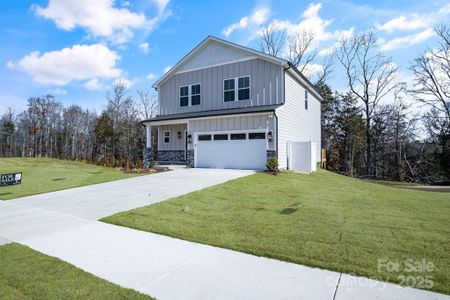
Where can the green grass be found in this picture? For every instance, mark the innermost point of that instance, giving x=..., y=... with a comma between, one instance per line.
x=42, y=175
x=322, y=220
x=392, y=183
x=27, y=274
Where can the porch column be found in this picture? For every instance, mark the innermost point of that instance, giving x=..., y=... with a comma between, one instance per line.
x=149, y=136
x=148, y=158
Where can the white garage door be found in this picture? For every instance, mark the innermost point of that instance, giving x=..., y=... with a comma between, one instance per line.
x=237, y=150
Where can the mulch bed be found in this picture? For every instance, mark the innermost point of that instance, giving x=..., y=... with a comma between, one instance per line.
x=151, y=170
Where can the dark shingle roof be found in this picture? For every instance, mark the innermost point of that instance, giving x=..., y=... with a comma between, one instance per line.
x=211, y=113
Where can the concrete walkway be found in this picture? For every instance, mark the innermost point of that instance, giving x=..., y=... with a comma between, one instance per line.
x=164, y=267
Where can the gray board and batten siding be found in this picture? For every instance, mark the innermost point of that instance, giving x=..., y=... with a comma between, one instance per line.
x=266, y=86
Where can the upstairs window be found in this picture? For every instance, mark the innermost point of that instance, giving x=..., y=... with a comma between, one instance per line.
x=236, y=89
x=195, y=94
x=190, y=95
x=306, y=99
x=244, y=88
x=228, y=90
x=184, y=95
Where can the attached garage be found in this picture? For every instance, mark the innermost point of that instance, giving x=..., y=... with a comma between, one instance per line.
x=231, y=150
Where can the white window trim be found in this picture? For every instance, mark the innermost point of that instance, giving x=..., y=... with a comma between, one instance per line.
x=189, y=95
x=236, y=88
x=199, y=94
x=223, y=89
x=249, y=87
x=164, y=137
x=179, y=94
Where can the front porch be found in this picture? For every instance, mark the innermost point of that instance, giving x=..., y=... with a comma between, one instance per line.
x=170, y=141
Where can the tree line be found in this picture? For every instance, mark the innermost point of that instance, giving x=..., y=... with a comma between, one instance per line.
x=362, y=135
x=113, y=138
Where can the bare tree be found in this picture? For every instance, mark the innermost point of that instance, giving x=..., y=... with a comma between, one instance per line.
x=432, y=87
x=300, y=50
x=272, y=40
x=370, y=76
x=148, y=104
x=432, y=74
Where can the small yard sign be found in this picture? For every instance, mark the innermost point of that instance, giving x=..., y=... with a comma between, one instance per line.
x=10, y=179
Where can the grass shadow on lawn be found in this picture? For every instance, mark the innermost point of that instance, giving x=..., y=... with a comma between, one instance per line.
x=322, y=220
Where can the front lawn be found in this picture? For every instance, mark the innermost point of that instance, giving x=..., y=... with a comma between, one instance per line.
x=322, y=220
x=42, y=175
x=27, y=274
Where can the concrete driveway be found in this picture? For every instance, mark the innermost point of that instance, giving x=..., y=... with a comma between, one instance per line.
x=63, y=225
x=100, y=200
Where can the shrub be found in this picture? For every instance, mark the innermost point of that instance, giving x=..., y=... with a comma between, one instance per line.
x=139, y=164
x=272, y=165
x=122, y=162
x=112, y=162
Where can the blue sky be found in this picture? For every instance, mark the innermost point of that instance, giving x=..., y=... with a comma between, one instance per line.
x=76, y=49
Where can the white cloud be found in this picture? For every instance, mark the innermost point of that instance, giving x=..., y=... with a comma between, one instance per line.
x=57, y=92
x=344, y=34
x=80, y=62
x=257, y=18
x=407, y=41
x=161, y=5
x=151, y=76
x=413, y=22
x=93, y=85
x=100, y=18
x=311, y=22
x=10, y=65
x=312, y=69
x=167, y=69
x=144, y=47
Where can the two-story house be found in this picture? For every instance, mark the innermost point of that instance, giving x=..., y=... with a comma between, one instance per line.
x=228, y=106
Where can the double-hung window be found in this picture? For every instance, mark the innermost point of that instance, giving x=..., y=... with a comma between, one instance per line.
x=236, y=89
x=184, y=95
x=190, y=95
x=195, y=94
x=244, y=88
x=166, y=137
x=228, y=90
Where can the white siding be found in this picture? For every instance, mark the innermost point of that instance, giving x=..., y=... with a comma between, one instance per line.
x=213, y=54
x=295, y=123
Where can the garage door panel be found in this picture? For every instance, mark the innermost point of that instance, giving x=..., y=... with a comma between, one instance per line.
x=231, y=154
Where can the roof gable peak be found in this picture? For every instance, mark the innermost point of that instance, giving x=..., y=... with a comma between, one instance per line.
x=205, y=54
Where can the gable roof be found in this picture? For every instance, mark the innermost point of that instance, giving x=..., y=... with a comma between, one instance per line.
x=259, y=54
x=205, y=43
